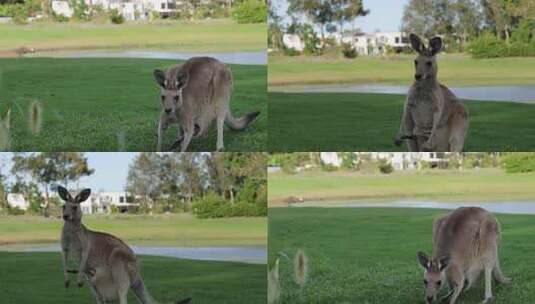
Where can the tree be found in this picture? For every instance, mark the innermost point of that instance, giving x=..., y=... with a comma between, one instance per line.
x=347, y=11
x=191, y=177
x=144, y=177
x=468, y=20
x=418, y=18
x=317, y=12
x=47, y=168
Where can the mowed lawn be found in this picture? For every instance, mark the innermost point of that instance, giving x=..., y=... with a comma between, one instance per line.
x=202, y=36
x=38, y=278
x=483, y=185
x=453, y=70
x=113, y=105
x=368, y=255
x=182, y=230
x=369, y=122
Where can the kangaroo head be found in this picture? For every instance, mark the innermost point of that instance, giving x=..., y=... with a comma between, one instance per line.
x=434, y=275
x=71, y=208
x=425, y=63
x=171, y=89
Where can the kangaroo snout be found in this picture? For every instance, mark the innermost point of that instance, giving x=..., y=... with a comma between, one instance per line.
x=66, y=217
x=168, y=111
x=417, y=76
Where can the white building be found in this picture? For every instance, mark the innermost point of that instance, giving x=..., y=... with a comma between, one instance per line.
x=17, y=200
x=293, y=41
x=373, y=44
x=398, y=160
x=130, y=9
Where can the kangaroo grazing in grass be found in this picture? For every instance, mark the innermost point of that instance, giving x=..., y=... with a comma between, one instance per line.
x=194, y=95
x=465, y=243
x=108, y=263
x=433, y=119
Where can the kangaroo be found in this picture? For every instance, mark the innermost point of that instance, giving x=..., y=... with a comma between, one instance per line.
x=433, y=118
x=465, y=243
x=107, y=263
x=194, y=95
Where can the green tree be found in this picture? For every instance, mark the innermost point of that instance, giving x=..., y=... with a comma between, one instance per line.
x=144, y=177
x=48, y=168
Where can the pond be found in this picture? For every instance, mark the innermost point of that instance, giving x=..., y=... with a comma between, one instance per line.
x=251, y=254
x=518, y=207
x=490, y=93
x=248, y=58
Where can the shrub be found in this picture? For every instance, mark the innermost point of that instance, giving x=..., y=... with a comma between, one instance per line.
x=291, y=52
x=488, y=46
x=14, y=210
x=519, y=162
x=215, y=206
x=385, y=166
x=250, y=11
x=116, y=17
x=60, y=18
x=349, y=51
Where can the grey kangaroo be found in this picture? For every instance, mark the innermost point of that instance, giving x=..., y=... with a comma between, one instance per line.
x=109, y=265
x=433, y=118
x=194, y=95
x=465, y=243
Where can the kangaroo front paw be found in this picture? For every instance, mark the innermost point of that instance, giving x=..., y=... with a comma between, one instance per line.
x=80, y=282
x=66, y=283
x=398, y=141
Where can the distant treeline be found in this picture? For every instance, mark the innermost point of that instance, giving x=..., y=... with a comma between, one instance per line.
x=207, y=184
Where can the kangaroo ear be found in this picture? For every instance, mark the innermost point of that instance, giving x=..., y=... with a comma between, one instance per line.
x=159, y=76
x=423, y=259
x=82, y=196
x=181, y=80
x=64, y=194
x=435, y=45
x=443, y=262
x=416, y=43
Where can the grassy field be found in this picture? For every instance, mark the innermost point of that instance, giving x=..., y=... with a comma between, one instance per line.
x=469, y=185
x=37, y=277
x=202, y=36
x=369, y=122
x=158, y=230
x=454, y=70
x=361, y=255
x=113, y=105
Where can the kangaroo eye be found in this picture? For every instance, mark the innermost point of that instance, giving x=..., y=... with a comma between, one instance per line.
x=162, y=97
x=176, y=98
x=429, y=63
x=439, y=282
x=425, y=282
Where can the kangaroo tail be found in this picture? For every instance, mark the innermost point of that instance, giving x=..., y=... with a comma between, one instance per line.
x=141, y=292
x=241, y=123
x=143, y=295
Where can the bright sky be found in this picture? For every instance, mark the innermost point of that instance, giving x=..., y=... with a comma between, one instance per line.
x=110, y=174
x=384, y=15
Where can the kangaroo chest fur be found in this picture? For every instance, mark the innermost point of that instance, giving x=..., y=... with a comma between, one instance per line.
x=70, y=240
x=422, y=104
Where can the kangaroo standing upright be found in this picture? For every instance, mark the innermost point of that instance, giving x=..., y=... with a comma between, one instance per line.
x=433, y=119
x=108, y=263
x=465, y=243
x=194, y=95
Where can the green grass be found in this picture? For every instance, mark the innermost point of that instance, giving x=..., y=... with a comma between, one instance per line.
x=37, y=277
x=369, y=122
x=454, y=70
x=113, y=104
x=468, y=185
x=202, y=36
x=368, y=255
x=158, y=230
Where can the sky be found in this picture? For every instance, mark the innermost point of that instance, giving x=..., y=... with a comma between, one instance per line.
x=384, y=15
x=111, y=169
